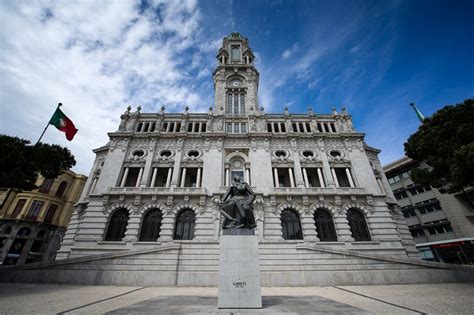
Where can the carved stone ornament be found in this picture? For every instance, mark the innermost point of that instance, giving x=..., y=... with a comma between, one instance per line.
x=187, y=205
x=286, y=205
x=152, y=205
x=324, y=205
x=109, y=209
x=364, y=207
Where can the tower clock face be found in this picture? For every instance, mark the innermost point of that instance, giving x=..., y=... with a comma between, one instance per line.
x=235, y=83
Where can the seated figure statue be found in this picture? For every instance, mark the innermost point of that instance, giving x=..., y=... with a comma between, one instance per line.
x=236, y=206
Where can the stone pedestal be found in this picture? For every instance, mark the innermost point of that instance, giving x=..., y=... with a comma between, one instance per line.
x=239, y=270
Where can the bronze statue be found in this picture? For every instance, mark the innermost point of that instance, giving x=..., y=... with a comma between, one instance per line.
x=236, y=206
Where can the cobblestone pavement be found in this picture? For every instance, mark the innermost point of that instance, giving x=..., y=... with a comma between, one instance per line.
x=442, y=298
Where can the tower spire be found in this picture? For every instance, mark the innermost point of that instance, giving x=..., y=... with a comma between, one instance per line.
x=235, y=78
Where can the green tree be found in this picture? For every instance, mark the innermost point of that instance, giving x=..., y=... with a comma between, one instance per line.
x=445, y=141
x=21, y=163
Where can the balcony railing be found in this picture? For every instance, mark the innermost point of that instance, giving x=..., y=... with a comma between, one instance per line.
x=156, y=190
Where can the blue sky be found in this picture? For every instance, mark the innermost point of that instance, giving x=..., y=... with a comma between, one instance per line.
x=98, y=57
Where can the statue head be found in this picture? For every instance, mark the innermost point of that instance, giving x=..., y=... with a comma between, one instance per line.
x=236, y=179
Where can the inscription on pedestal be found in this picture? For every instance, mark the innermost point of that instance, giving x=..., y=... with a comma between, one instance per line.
x=239, y=272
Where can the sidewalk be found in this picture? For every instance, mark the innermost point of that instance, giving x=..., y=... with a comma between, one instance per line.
x=451, y=298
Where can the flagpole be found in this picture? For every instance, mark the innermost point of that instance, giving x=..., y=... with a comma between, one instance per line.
x=47, y=125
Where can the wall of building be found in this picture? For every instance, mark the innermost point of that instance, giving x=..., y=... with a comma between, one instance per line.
x=27, y=232
x=430, y=215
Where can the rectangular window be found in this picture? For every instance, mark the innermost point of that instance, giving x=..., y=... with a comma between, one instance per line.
x=132, y=176
x=228, y=109
x=284, y=179
x=320, y=128
x=401, y=195
x=19, y=206
x=161, y=177
x=242, y=104
x=235, y=53
x=313, y=178
x=191, y=177
x=34, y=210
x=342, y=178
x=50, y=213
x=236, y=128
x=417, y=233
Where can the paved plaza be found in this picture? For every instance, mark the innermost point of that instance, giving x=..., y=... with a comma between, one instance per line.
x=442, y=298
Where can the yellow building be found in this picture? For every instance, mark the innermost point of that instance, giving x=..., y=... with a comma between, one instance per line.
x=32, y=223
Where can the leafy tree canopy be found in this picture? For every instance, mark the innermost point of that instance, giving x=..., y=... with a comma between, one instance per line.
x=445, y=141
x=21, y=163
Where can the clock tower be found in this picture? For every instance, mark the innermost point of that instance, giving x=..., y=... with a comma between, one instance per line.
x=235, y=79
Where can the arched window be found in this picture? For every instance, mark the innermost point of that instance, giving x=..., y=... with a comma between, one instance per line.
x=151, y=226
x=24, y=232
x=359, y=228
x=61, y=189
x=7, y=230
x=117, y=225
x=290, y=224
x=184, y=228
x=324, y=226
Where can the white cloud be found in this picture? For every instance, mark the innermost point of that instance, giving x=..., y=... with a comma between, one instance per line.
x=290, y=51
x=96, y=57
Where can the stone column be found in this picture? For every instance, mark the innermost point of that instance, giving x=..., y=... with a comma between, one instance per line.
x=334, y=177
x=292, y=180
x=124, y=178
x=139, y=179
x=247, y=176
x=226, y=179
x=153, y=177
x=305, y=176
x=320, y=177
x=168, y=178
x=183, y=177
x=277, y=182
x=349, y=176
x=198, y=179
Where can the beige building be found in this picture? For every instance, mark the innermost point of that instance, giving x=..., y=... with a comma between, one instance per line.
x=442, y=225
x=33, y=223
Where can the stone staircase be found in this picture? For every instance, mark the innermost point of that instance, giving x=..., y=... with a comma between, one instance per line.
x=192, y=263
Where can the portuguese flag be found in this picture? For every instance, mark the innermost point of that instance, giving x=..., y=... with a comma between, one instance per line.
x=60, y=121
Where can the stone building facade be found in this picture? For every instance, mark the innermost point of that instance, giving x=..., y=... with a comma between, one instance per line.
x=33, y=223
x=155, y=185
